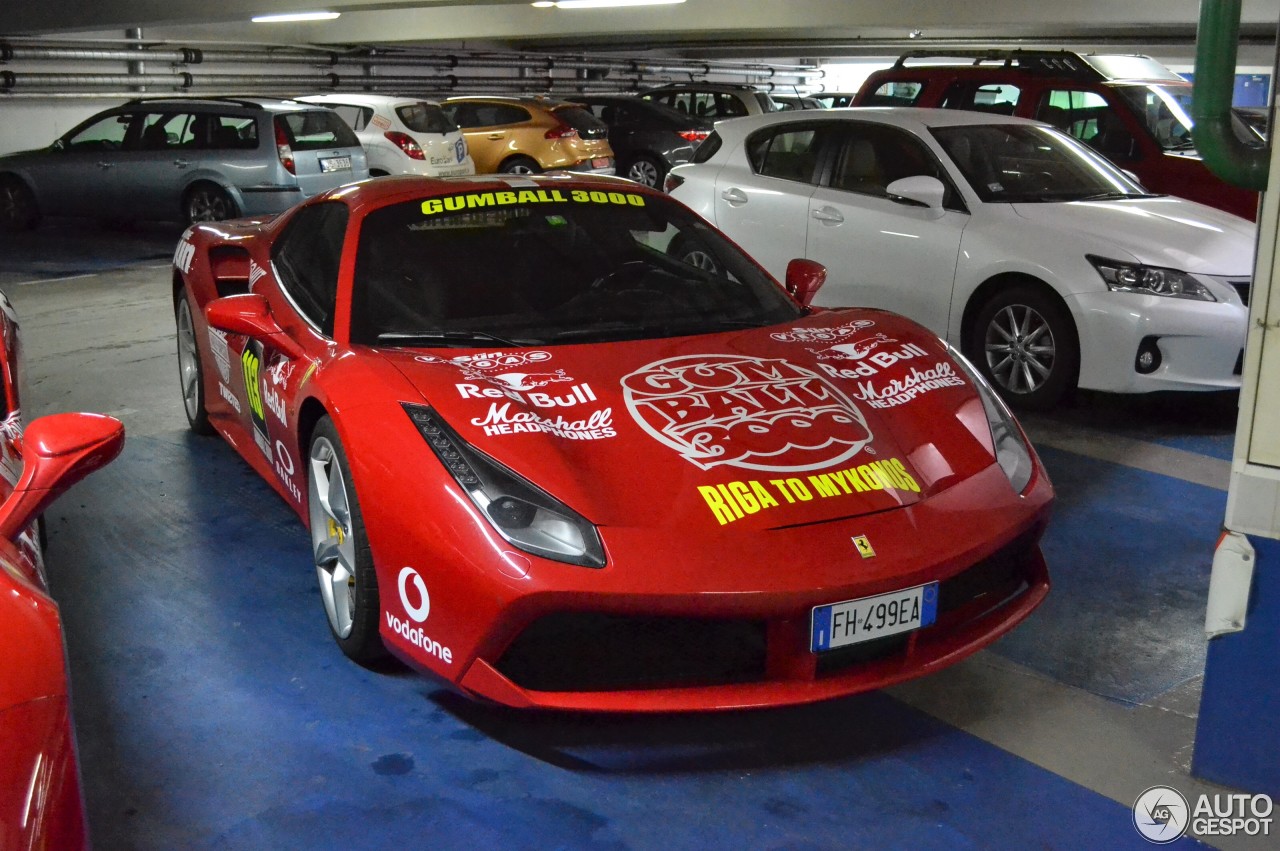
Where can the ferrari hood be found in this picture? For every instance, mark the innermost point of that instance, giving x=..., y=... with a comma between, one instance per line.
x=1161, y=231
x=840, y=414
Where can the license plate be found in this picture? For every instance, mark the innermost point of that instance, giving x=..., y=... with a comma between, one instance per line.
x=335, y=164
x=854, y=621
x=600, y=162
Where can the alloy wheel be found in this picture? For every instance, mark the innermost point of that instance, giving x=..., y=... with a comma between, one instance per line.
x=1020, y=348
x=332, y=541
x=188, y=361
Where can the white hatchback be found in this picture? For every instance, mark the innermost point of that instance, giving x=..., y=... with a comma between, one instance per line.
x=402, y=135
x=1047, y=265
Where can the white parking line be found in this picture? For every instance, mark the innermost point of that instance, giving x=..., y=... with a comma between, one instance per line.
x=1129, y=452
x=53, y=280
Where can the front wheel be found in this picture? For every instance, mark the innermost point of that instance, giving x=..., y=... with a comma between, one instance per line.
x=205, y=202
x=1025, y=343
x=695, y=252
x=344, y=563
x=190, y=372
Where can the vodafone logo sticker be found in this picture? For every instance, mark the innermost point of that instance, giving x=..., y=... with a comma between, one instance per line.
x=417, y=605
x=754, y=413
x=417, y=611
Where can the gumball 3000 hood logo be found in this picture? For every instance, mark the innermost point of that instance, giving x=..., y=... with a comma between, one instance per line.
x=755, y=413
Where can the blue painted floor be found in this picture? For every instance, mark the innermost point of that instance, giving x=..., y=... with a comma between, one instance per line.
x=214, y=712
x=1130, y=554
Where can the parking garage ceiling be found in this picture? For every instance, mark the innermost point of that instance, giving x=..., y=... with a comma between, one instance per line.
x=743, y=27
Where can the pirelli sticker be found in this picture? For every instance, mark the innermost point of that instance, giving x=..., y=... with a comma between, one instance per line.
x=515, y=197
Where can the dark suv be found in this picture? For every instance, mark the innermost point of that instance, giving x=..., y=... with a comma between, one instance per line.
x=189, y=159
x=1131, y=108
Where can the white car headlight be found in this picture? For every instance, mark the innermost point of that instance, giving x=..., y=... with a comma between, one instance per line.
x=1012, y=452
x=1125, y=277
x=521, y=512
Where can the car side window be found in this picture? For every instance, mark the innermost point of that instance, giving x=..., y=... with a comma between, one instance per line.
x=1088, y=117
x=895, y=93
x=999, y=98
x=873, y=156
x=497, y=114
x=787, y=153
x=229, y=132
x=357, y=117
x=106, y=134
x=306, y=259
x=164, y=130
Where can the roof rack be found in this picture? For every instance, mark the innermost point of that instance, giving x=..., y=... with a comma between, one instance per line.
x=1064, y=62
x=238, y=100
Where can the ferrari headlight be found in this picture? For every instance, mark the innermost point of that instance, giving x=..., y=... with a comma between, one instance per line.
x=1012, y=453
x=1149, y=280
x=521, y=512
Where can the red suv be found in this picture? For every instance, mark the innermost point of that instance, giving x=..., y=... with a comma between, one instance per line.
x=1131, y=108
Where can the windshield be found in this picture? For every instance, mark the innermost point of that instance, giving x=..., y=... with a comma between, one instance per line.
x=1018, y=163
x=550, y=265
x=1166, y=110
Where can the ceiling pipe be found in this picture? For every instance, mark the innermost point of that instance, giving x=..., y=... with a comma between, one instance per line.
x=1216, y=141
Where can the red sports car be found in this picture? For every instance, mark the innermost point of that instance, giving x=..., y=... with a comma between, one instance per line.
x=551, y=463
x=40, y=800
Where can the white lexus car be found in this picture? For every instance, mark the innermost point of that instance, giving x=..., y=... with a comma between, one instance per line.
x=402, y=135
x=1047, y=265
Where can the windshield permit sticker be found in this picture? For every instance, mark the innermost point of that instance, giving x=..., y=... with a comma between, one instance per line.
x=753, y=413
x=483, y=200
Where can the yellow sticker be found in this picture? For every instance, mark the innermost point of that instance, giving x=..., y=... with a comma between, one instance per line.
x=864, y=546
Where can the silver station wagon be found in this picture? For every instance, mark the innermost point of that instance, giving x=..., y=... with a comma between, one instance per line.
x=184, y=159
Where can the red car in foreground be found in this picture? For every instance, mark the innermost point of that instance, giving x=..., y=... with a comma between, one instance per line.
x=544, y=459
x=41, y=805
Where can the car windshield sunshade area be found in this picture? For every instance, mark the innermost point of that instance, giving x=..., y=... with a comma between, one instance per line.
x=1019, y=163
x=550, y=265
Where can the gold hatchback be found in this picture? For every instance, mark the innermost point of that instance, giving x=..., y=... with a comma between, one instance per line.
x=526, y=135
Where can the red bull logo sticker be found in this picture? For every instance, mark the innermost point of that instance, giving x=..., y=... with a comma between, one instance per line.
x=753, y=413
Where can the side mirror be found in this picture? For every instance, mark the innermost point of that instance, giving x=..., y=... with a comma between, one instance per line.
x=250, y=316
x=921, y=189
x=804, y=278
x=57, y=451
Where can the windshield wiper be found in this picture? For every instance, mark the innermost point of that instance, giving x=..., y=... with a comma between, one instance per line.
x=670, y=329
x=1113, y=196
x=449, y=338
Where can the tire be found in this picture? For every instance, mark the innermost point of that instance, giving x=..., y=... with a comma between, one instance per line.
x=206, y=202
x=344, y=563
x=647, y=171
x=520, y=165
x=18, y=209
x=190, y=370
x=1024, y=341
x=696, y=254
